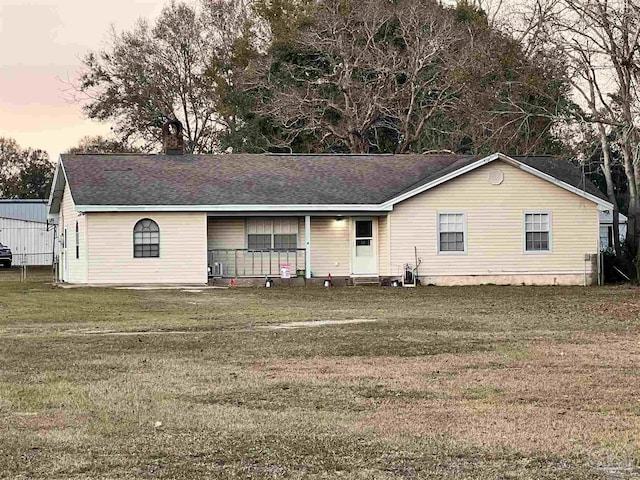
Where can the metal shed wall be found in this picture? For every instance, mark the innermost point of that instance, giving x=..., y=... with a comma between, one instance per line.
x=30, y=242
x=31, y=210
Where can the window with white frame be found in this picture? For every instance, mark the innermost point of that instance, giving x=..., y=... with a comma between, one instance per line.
x=272, y=233
x=451, y=232
x=537, y=231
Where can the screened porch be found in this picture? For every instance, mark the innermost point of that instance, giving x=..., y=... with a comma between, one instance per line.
x=231, y=263
x=255, y=246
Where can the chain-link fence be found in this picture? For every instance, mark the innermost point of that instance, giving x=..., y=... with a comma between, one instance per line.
x=28, y=273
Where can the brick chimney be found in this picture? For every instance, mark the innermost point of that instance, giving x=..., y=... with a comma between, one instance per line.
x=172, y=139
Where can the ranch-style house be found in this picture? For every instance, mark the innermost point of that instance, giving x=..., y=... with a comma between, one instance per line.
x=172, y=218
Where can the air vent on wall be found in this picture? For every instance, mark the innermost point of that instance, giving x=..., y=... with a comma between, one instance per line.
x=496, y=177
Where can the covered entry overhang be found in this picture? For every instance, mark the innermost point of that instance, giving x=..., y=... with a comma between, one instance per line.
x=340, y=243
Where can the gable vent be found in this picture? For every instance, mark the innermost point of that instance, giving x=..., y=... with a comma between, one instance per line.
x=496, y=177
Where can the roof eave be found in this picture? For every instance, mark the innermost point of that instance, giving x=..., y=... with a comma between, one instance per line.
x=602, y=204
x=236, y=208
x=61, y=179
x=58, y=184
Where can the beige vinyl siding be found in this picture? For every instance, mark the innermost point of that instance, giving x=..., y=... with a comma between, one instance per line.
x=384, y=258
x=76, y=272
x=183, y=249
x=226, y=233
x=330, y=246
x=494, y=226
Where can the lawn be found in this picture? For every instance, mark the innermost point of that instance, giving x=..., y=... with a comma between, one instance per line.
x=470, y=382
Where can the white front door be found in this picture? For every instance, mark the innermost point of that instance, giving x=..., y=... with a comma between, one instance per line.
x=364, y=249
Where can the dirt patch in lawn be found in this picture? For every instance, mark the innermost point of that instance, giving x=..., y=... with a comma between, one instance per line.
x=317, y=323
x=542, y=396
x=622, y=311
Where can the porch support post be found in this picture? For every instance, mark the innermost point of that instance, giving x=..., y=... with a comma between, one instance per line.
x=307, y=246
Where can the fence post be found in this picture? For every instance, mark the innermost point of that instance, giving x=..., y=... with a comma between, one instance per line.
x=23, y=268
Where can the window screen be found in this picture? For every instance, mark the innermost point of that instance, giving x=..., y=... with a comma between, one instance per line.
x=285, y=241
x=451, y=232
x=536, y=227
x=146, y=239
x=259, y=241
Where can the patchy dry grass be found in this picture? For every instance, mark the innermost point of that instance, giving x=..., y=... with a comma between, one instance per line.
x=447, y=383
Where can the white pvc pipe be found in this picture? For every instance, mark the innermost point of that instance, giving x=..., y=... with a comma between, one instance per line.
x=307, y=246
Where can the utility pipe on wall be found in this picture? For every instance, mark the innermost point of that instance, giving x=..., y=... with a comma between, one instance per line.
x=307, y=246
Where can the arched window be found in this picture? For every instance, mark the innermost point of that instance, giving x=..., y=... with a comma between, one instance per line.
x=146, y=239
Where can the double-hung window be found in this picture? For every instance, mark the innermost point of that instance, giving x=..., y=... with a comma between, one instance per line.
x=537, y=232
x=451, y=233
x=272, y=233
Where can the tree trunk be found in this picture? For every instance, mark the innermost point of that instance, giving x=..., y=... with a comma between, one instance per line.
x=616, y=231
x=357, y=143
x=606, y=169
x=633, y=233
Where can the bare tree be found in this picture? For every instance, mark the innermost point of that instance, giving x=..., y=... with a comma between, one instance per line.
x=175, y=68
x=99, y=144
x=493, y=9
x=360, y=70
x=601, y=41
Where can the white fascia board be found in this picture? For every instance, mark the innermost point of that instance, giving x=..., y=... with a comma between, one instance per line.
x=232, y=208
x=57, y=186
x=66, y=180
x=602, y=204
x=441, y=180
x=54, y=183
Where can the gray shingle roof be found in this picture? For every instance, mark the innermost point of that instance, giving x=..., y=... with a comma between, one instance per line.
x=247, y=179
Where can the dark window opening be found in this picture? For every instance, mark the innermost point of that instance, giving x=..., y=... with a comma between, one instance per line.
x=364, y=228
x=452, y=242
x=77, y=241
x=285, y=241
x=259, y=241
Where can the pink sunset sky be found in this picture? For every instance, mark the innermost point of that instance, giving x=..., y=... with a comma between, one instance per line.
x=41, y=44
